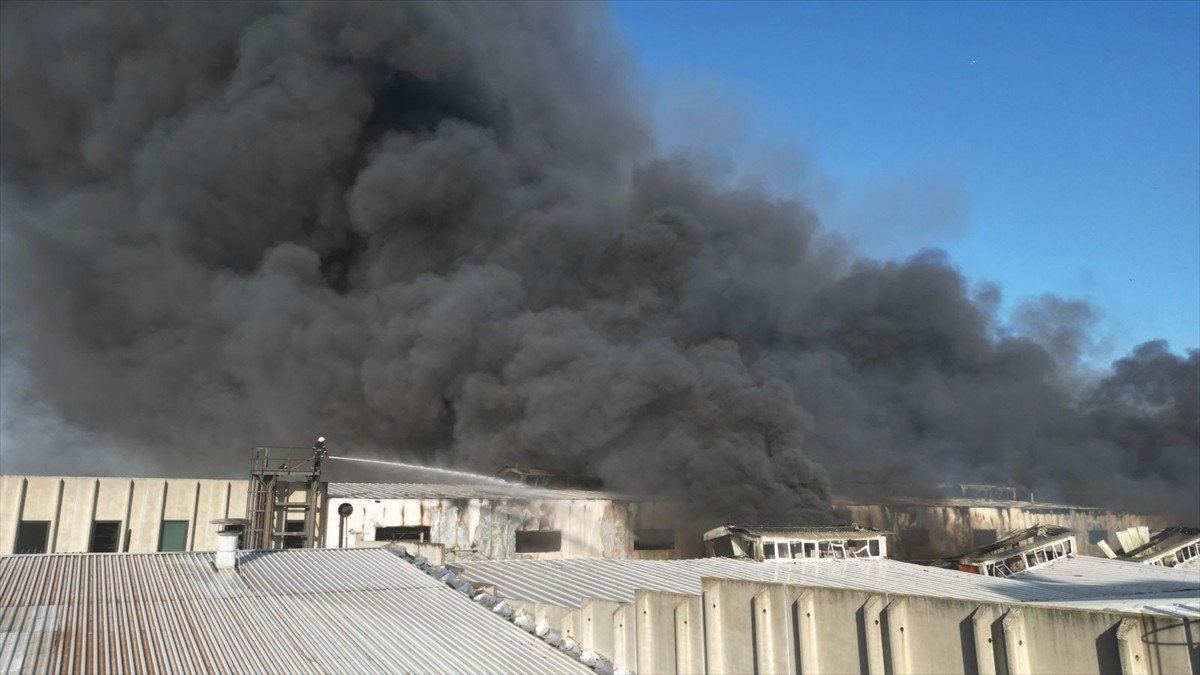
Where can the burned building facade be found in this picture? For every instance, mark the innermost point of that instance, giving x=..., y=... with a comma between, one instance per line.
x=931, y=528
x=499, y=522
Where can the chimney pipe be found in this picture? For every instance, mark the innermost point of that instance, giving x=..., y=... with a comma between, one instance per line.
x=227, y=541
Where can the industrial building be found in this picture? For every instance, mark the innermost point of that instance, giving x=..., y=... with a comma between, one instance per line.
x=54, y=514
x=143, y=515
x=498, y=577
x=385, y=610
x=965, y=517
x=499, y=522
x=719, y=615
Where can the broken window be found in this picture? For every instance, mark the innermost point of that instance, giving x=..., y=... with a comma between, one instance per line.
x=1097, y=536
x=539, y=541
x=106, y=537
x=653, y=540
x=411, y=533
x=721, y=547
x=768, y=548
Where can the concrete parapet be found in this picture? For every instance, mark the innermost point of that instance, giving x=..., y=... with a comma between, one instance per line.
x=670, y=634
x=938, y=635
x=758, y=627
x=610, y=629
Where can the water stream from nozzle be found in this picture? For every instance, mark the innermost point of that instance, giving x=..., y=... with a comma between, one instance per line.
x=418, y=467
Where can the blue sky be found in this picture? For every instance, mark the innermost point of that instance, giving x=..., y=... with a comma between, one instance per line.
x=1049, y=147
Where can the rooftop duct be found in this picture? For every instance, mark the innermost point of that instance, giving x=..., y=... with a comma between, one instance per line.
x=228, y=535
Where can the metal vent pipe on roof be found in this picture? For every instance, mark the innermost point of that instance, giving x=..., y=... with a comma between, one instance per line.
x=227, y=542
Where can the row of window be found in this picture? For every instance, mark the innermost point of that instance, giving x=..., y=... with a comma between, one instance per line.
x=538, y=541
x=33, y=536
x=814, y=550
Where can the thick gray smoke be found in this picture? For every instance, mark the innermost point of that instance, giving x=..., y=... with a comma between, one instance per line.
x=440, y=231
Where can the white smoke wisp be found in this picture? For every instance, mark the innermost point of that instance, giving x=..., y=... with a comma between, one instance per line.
x=465, y=475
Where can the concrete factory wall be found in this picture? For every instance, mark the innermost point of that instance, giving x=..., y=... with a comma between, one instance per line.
x=749, y=627
x=487, y=528
x=940, y=529
x=72, y=506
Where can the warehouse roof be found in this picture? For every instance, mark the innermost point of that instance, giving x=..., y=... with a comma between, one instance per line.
x=465, y=491
x=294, y=611
x=1119, y=585
x=568, y=582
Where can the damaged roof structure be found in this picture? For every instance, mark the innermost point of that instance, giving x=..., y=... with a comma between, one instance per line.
x=786, y=544
x=503, y=521
x=1018, y=551
x=1171, y=547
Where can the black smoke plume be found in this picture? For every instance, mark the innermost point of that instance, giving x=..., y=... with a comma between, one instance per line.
x=441, y=231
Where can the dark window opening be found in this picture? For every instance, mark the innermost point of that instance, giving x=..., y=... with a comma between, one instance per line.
x=106, y=537
x=653, y=540
x=1097, y=536
x=293, y=541
x=540, y=541
x=402, y=533
x=173, y=536
x=721, y=547
x=983, y=537
x=33, y=536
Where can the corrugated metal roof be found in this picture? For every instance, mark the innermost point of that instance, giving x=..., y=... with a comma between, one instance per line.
x=567, y=582
x=297, y=611
x=1101, y=576
x=448, y=491
x=1119, y=585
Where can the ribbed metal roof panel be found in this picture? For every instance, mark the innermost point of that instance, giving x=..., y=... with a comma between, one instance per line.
x=352, y=611
x=450, y=491
x=567, y=582
x=1119, y=585
x=1091, y=576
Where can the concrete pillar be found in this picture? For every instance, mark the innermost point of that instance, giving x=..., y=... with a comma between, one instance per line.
x=747, y=627
x=872, y=618
x=771, y=608
x=729, y=640
x=897, y=647
x=126, y=523
x=563, y=619
x=1016, y=654
x=669, y=632
x=624, y=626
x=689, y=635
x=596, y=627
x=54, y=525
x=1129, y=643
x=806, y=626
x=981, y=625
